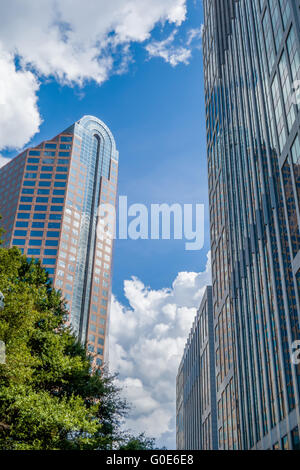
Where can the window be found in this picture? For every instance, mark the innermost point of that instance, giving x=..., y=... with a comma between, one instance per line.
x=278, y=113
x=50, y=146
x=32, y=168
x=57, y=200
x=39, y=216
x=61, y=177
x=23, y=216
x=47, y=168
x=34, y=153
x=51, y=271
x=59, y=192
x=36, y=233
x=63, y=154
x=295, y=439
x=49, y=154
x=50, y=252
x=285, y=443
x=26, y=199
x=38, y=224
x=33, y=160
x=66, y=139
x=59, y=184
x=31, y=176
x=34, y=251
x=22, y=224
x=27, y=191
x=19, y=242
x=35, y=242
x=24, y=207
x=44, y=192
x=53, y=234
x=51, y=242
x=20, y=233
x=101, y=341
x=45, y=176
x=39, y=208
x=45, y=183
x=42, y=199
x=56, y=208
x=49, y=261
x=62, y=168
x=55, y=216
x=100, y=351
x=92, y=338
x=65, y=146
x=54, y=225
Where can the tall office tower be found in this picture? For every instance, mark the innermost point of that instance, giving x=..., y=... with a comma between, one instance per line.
x=196, y=407
x=251, y=62
x=49, y=199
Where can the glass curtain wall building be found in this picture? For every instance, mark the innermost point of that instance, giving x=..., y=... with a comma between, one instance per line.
x=49, y=200
x=196, y=408
x=252, y=71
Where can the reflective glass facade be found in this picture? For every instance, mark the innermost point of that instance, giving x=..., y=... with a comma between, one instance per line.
x=196, y=409
x=251, y=62
x=51, y=196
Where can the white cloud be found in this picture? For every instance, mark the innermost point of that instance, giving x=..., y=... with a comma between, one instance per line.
x=173, y=53
x=19, y=115
x=167, y=50
x=3, y=160
x=72, y=41
x=146, y=345
x=195, y=34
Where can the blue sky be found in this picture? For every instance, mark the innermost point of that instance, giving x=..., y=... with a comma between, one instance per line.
x=156, y=113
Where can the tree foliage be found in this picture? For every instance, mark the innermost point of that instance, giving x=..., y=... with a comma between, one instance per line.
x=49, y=399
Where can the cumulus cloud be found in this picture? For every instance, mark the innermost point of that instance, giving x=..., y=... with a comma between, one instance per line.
x=3, y=160
x=195, y=34
x=167, y=50
x=19, y=115
x=146, y=345
x=72, y=41
x=176, y=53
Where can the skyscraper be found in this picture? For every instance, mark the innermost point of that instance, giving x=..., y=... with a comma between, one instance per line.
x=196, y=407
x=252, y=71
x=49, y=200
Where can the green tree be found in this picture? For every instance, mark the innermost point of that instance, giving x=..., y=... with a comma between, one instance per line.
x=49, y=399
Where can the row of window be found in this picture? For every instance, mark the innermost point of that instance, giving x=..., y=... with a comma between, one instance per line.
x=39, y=208
x=51, y=225
x=57, y=184
x=37, y=216
x=44, y=192
x=36, y=233
x=46, y=176
x=36, y=153
x=34, y=242
x=63, y=169
x=44, y=200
